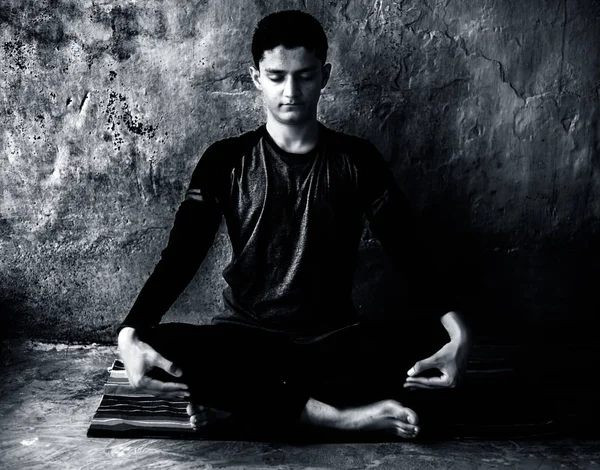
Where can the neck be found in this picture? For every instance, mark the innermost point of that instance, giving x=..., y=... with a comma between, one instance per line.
x=297, y=138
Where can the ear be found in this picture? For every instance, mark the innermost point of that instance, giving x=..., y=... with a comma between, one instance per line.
x=325, y=73
x=255, y=76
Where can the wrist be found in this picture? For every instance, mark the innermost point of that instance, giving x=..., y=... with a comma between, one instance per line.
x=460, y=340
x=456, y=328
x=127, y=335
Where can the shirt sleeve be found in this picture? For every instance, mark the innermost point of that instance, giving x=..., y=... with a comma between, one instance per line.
x=394, y=224
x=196, y=223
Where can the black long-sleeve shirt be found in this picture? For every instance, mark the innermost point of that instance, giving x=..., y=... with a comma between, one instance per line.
x=295, y=223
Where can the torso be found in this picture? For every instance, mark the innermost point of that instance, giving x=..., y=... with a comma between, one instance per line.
x=295, y=223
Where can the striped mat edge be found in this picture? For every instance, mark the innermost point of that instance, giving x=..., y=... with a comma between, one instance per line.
x=123, y=412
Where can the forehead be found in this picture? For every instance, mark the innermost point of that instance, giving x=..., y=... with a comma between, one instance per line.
x=289, y=59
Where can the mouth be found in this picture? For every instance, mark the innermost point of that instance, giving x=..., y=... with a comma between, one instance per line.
x=291, y=105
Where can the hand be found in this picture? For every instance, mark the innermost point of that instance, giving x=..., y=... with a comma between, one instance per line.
x=139, y=359
x=451, y=360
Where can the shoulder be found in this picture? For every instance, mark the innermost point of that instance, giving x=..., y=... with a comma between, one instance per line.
x=349, y=144
x=360, y=152
x=372, y=171
x=225, y=151
x=222, y=155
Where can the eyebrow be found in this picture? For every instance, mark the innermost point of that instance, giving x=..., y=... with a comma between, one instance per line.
x=307, y=69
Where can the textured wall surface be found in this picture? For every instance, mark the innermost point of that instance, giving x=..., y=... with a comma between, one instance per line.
x=486, y=109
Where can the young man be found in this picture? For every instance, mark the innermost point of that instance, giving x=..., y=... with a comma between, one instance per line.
x=289, y=350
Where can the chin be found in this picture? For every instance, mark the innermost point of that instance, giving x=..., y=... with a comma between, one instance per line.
x=293, y=118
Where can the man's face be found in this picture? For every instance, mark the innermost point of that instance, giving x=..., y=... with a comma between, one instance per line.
x=291, y=81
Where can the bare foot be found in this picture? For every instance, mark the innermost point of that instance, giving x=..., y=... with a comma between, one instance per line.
x=388, y=416
x=202, y=416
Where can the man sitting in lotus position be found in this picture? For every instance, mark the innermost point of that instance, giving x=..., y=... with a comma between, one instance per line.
x=289, y=351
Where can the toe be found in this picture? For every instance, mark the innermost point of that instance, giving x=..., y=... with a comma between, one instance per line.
x=198, y=421
x=409, y=416
x=193, y=409
x=398, y=411
x=407, y=423
x=403, y=431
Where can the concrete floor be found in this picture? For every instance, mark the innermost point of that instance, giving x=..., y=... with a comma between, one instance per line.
x=45, y=413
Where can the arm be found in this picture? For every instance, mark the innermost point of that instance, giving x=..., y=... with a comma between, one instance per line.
x=192, y=235
x=193, y=232
x=394, y=225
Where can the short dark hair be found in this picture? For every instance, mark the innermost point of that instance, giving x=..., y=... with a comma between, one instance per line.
x=290, y=29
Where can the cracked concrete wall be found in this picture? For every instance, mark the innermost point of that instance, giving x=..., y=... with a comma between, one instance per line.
x=487, y=111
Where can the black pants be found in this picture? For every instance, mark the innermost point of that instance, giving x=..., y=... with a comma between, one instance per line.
x=268, y=379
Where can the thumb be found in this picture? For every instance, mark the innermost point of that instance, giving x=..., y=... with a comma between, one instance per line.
x=166, y=365
x=422, y=365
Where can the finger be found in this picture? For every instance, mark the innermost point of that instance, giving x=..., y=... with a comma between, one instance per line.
x=160, y=386
x=424, y=364
x=420, y=387
x=155, y=385
x=442, y=381
x=175, y=395
x=166, y=365
x=172, y=396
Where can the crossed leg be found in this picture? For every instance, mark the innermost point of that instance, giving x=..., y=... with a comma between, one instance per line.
x=349, y=381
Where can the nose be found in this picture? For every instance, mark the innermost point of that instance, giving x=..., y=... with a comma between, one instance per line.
x=290, y=89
